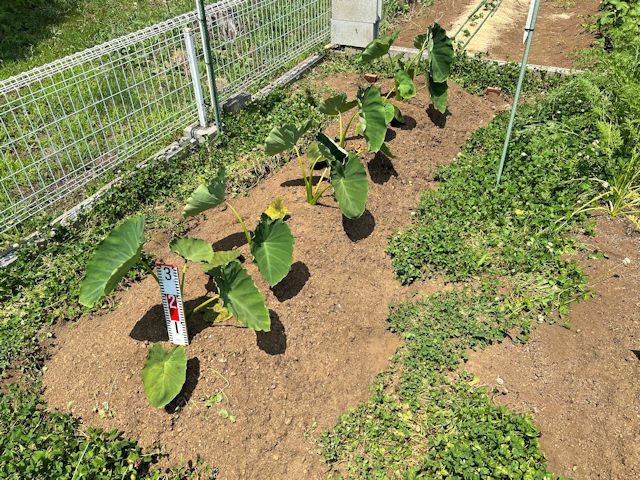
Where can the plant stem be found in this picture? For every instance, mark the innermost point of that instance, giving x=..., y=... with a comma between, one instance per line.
x=184, y=272
x=246, y=232
x=343, y=138
x=307, y=180
x=153, y=274
x=202, y=305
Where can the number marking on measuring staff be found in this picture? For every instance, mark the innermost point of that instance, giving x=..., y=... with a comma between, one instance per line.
x=172, y=302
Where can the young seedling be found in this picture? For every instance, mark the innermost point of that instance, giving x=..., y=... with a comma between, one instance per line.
x=348, y=176
x=372, y=114
x=438, y=65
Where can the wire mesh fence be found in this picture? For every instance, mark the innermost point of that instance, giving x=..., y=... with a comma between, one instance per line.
x=65, y=124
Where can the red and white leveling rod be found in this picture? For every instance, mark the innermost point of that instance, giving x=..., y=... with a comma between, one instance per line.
x=169, y=280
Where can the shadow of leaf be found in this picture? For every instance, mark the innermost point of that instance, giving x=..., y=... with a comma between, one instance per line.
x=275, y=341
x=291, y=285
x=360, y=228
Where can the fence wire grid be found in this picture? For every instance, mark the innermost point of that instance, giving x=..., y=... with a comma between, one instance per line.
x=67, y=123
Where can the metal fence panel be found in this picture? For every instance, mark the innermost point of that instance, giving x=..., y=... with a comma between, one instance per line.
x=67, y=123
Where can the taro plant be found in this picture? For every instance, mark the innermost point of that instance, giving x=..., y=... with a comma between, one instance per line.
x=271, y=245
x=373, y=115
x=348, y=176
x=436, y=67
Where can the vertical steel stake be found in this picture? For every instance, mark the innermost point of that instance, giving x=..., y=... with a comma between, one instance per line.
x=195, y=76
x=206, y=46
x=523, y=69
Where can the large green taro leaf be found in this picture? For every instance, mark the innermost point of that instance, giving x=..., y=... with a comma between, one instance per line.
x=330, y=150
x=272, y=249
x=372, y=117
x=350, y=186
x=378, y=47
x=336, y=105
x=219, y=259
x=405, y=88
x=164, y=374
x=440, y=54
x=438, y=92
x=192, y=249
x=285, y=137
x=114, y=256
x=241, y=297
x=207, y=196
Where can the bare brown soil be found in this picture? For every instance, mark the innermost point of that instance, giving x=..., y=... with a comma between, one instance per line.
x=329, y=338
x=581, y=384
x=559, y=29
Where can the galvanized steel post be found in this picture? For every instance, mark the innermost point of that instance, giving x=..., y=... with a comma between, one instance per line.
x=195, y=76
x=211, y=78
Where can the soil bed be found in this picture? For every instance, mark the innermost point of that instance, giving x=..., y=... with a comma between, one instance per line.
x=581, y=384
x=329, y=337
x=559, y=29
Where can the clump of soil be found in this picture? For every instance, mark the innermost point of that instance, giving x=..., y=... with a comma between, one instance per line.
x=329, y=338
x=581, y=383
x=559, y=30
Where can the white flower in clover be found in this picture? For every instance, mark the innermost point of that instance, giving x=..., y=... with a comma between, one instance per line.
x=523, y=154
x=52, y=233
x=15, y=245
x=626, y=261
x=605, y=184
x=540, y=318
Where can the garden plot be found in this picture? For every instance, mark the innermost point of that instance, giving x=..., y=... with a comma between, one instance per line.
x=329, y=338
x=559, y=32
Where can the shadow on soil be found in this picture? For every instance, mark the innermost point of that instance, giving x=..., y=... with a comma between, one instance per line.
x=438, y=119
x=409, y=123
x=360, y=228
x=381, y=169
x=275, y=341
x=291, y=285
x=153, y=328
x=193, y=374
x=299, y=182
x=230, y=242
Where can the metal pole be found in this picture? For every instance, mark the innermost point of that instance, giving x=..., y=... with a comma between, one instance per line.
x=195, y=76
x=523, y=70
x=211, y=78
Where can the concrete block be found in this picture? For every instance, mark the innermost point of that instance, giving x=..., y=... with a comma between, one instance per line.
x=366, y=11
x=237, y=102
x=353, y=34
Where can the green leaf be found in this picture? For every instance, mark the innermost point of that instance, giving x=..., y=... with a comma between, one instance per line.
x=207, y=196
x=113, y=257
x=272, y=249
x=336, y=105
x=350, y=186
x=241, y=297
x=192, y=249
x=372, y=117
x=440, y=54
x=219, y=259
x=419, y=41
x=378, y=47
x=405, y=88
x=387, y=151
x=397, y=115
x=389, y=111
x=438, y=92
x=164, y=374
x=330, y=150
x=277, y=210
x=285, y=137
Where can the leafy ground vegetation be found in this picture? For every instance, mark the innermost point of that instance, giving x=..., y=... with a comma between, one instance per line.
x=507, y=248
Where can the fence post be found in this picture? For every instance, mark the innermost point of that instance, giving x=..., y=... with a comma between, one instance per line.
x=211, y=78
x=195, y=76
